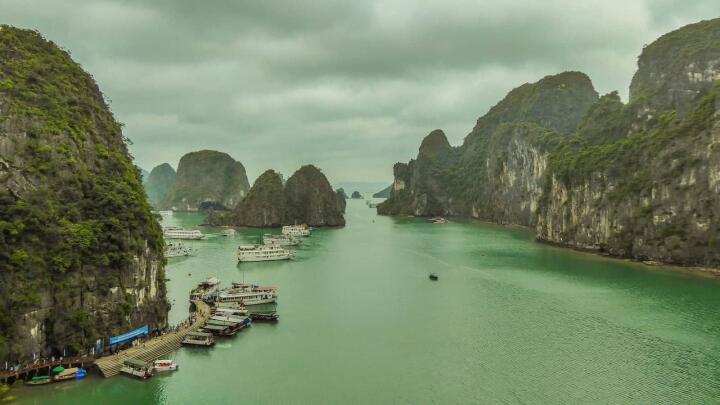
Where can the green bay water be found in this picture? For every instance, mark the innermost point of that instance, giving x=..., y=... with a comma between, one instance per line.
x=509, y=321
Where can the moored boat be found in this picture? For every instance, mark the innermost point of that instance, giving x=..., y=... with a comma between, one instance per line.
x=261, y=253
x=246, y=297
x=174, y=232
x=39, y=380
x=137, y=368
x=198, y=339
x=69, y=374
x=296, y=230
x=228, y=232
x=164, y=365
x=281, y=240
x=177, y=249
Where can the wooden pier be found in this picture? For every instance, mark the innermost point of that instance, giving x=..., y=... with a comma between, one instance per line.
x=154, y=348
x=43, y=368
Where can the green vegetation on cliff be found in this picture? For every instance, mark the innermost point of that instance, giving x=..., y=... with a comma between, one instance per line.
x=264, y=205
x=74, y=218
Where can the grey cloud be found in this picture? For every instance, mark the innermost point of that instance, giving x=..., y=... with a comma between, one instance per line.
x=349, y=86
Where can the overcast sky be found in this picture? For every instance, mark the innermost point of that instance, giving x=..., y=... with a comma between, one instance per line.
x=349, y=86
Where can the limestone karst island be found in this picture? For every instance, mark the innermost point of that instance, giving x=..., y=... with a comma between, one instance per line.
x=378, y=202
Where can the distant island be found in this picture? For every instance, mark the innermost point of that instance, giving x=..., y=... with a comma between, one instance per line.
x=356, y=195
x=306, y=198
x=206, y=179
x=384, y=193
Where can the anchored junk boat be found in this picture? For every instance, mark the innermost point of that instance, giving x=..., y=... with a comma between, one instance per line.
x=198, y=339
x=261, y=253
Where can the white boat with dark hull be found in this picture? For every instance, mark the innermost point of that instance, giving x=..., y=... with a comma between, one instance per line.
x=296, y=230
x=262, y=253
x=247, y=298
x=228, y=232
x=281, y=240
x=174, y=232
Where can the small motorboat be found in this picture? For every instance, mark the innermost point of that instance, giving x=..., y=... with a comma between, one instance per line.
x=433, y=276
x=164, y=365
x=39, y=380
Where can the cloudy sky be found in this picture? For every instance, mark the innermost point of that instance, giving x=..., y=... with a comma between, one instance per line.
x=350, y=86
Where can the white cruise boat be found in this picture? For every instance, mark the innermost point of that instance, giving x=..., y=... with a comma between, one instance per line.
x=174, y=232
x=228, y=232
x=281, y=240
x=296, y=230
x=165, y=213
x=177, y=249
x=261, y=253
x=247, y=297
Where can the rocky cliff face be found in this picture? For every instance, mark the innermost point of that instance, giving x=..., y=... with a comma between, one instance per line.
x=341, y=198
x=264, y=205
x=80, y=252
x=310, y=200
x=443, y=180
x=209, y=177
x=306, y=198
x=634, y=180
x=159, y=182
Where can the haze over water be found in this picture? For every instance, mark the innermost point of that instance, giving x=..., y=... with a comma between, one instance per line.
x=509, y=321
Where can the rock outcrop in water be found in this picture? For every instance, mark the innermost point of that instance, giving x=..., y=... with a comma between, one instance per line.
x=341, y=197
x=356, y=195
x=80, y=251
x=264, y=205
x=635, y=180
x=310, y=200
x=209, y=177
x=159, y=182
x=306, y=198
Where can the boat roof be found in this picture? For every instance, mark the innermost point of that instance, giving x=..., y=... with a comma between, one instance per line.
x=135, y=362
x=202, y=334
x=214, y=327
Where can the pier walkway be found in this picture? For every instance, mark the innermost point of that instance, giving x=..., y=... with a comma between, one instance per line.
x=43, y=368
x=154, y=348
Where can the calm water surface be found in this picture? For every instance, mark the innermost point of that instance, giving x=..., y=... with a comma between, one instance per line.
x=509, y=321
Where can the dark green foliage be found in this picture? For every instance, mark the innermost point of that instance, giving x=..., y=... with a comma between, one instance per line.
x=83, y=208
x=264, y=204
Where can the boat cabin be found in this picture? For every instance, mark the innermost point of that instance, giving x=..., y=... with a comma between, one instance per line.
x=137, y=368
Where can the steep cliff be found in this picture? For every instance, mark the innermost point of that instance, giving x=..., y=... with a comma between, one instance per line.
x=209, y=177
x=159, y=182
x=634, y=180
x=264, y=205
x=80, y=252
x=443, y=180
x=341, y=198
x=310, y=200
x=653, y=193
